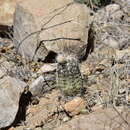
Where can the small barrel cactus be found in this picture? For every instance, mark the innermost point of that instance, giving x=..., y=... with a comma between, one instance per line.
x=69, y=79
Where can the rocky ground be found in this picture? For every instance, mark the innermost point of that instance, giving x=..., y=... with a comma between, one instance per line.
x=66, y=85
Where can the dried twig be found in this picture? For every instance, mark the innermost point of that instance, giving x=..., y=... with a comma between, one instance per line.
x=62, y=38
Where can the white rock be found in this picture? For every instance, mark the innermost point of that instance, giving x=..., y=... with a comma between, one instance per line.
x=42, y=84
x=75, y=106
x=37, y=85
x=47, y=68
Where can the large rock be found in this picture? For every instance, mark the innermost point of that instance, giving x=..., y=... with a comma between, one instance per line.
x=10, y=89
x=71, y=20
x=7, y=8
x=107, y=119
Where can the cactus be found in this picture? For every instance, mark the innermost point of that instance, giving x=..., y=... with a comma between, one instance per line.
x=69, y=79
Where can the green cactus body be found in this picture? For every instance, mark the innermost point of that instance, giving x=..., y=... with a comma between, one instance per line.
x=69, y=79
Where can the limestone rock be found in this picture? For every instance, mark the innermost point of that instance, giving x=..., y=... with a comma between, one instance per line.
x=57, y=19
x=10, y=89
x=75, y=106
x=104, y=119
x=37, y=86
x=7, y=8
x=42, y=84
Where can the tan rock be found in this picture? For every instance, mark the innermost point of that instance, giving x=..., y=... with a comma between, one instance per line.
x=75, y=106
x=101, y=120
x=38, y=114
x=7, y=8
x=37, y=119
x=12, y=128
x=86, y=68
x=71, y=20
